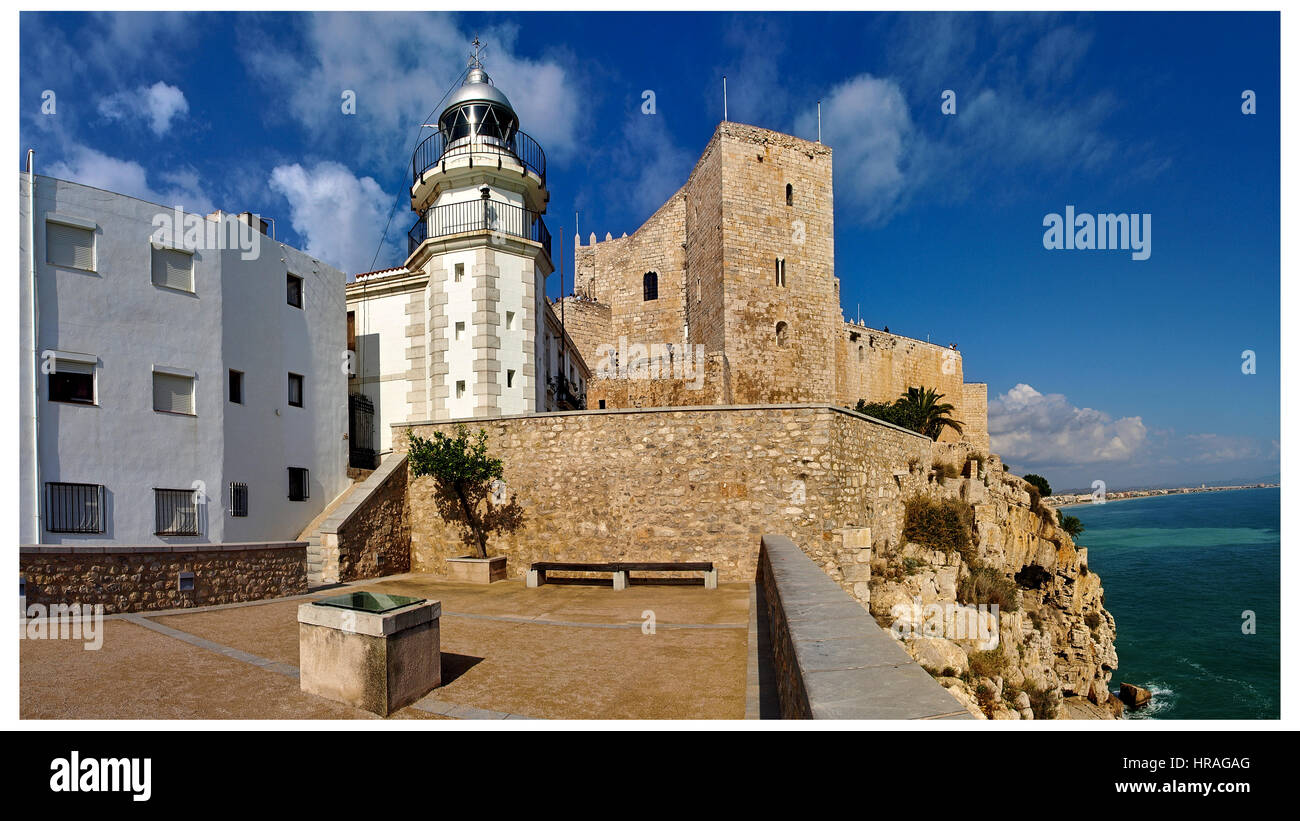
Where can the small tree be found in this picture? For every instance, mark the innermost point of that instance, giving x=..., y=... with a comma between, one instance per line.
x=1044, y=489
x=1071, y=525
x=462, y=468
x=924, y=413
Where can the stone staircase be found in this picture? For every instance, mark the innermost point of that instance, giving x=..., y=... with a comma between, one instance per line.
x=311, y=533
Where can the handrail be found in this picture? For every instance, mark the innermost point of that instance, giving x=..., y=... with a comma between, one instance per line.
x=435, y=148
x=479, y=215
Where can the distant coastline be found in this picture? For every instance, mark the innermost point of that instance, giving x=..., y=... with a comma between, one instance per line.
x=1074, y=499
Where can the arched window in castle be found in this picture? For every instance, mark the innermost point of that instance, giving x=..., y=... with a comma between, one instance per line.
x=862, y=354
x=650, y=286
x=789, y=194
x=780, y=272
x=782, y=337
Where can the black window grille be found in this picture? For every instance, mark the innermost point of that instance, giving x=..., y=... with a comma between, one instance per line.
x=650, y=286
x=238, y=499
x=74, y=508
x=299, y=485
x=176, y=512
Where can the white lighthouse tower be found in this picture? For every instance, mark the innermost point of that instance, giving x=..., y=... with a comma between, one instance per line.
x=463, y=329
x=479, y=188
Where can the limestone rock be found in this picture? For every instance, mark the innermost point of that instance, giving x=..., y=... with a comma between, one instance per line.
x=938, y=655
x=1133, y=695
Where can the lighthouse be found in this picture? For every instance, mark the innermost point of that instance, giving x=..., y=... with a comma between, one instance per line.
x=478, y=188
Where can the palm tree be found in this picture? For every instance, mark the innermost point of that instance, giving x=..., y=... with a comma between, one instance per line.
x=924, y=413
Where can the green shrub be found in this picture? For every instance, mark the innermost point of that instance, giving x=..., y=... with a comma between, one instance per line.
x=938, y=525
x=1044, y=703
x=984, y=585
x=1044, y=489
x=987, y=663
x=912, y=565
x=1071, y=525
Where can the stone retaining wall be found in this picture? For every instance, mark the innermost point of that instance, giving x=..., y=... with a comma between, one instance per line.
x=831, y=660
x=128, y=579
x=682, y=484
x=369, y=534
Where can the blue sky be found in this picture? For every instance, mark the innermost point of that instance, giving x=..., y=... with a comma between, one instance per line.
x=1099, y=366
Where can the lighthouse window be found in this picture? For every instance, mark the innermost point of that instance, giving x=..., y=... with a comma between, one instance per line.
x=782, y=338
x=650, y=286
x=789, y=194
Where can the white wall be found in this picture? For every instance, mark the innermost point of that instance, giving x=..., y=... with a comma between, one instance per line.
x=234, y=319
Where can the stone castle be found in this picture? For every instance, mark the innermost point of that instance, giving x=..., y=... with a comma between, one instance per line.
x=740, y=264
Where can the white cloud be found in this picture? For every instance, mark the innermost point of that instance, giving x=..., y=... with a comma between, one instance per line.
x=866, y=123
x=159, y=103
x=338, y=215
x=97, y=169
x=1031, y=428
x=399, y=66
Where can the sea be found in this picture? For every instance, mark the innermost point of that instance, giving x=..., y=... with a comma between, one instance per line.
x=1193, y=582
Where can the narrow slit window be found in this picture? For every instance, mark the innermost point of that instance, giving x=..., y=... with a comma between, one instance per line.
x=295, y=390
x=237, y=387
x=650, y=286
x=293, y=287
x=238, y=499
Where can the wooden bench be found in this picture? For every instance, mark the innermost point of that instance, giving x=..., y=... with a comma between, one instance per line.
x=621, y=570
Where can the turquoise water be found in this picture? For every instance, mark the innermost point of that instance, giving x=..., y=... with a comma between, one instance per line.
x=1178, y=573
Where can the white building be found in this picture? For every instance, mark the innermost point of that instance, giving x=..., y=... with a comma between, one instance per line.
x=462, y=328
x=178, y=386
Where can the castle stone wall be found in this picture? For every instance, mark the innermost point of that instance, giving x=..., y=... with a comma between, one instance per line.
x=760, y=233
x=975, y=410
x=778, y=337
x=879, y=367
x=588, y=324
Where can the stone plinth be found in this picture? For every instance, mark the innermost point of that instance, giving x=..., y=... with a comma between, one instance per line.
x=378, y=661
x=477, y=571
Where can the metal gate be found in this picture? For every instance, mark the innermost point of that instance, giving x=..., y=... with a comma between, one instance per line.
x=361, y=432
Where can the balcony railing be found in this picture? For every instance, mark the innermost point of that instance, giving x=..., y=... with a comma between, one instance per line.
x=435, y=148
x=479, y=215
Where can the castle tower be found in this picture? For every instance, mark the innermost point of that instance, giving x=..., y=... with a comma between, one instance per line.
x=479, y=188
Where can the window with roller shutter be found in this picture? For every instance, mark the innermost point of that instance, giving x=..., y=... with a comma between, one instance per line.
x=173, y=393
x=173, y=269
x=69, y=246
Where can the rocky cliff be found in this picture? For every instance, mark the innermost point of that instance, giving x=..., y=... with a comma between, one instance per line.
x=1049, y=649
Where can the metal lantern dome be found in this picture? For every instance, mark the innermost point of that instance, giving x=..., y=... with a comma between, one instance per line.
x=478, y=111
